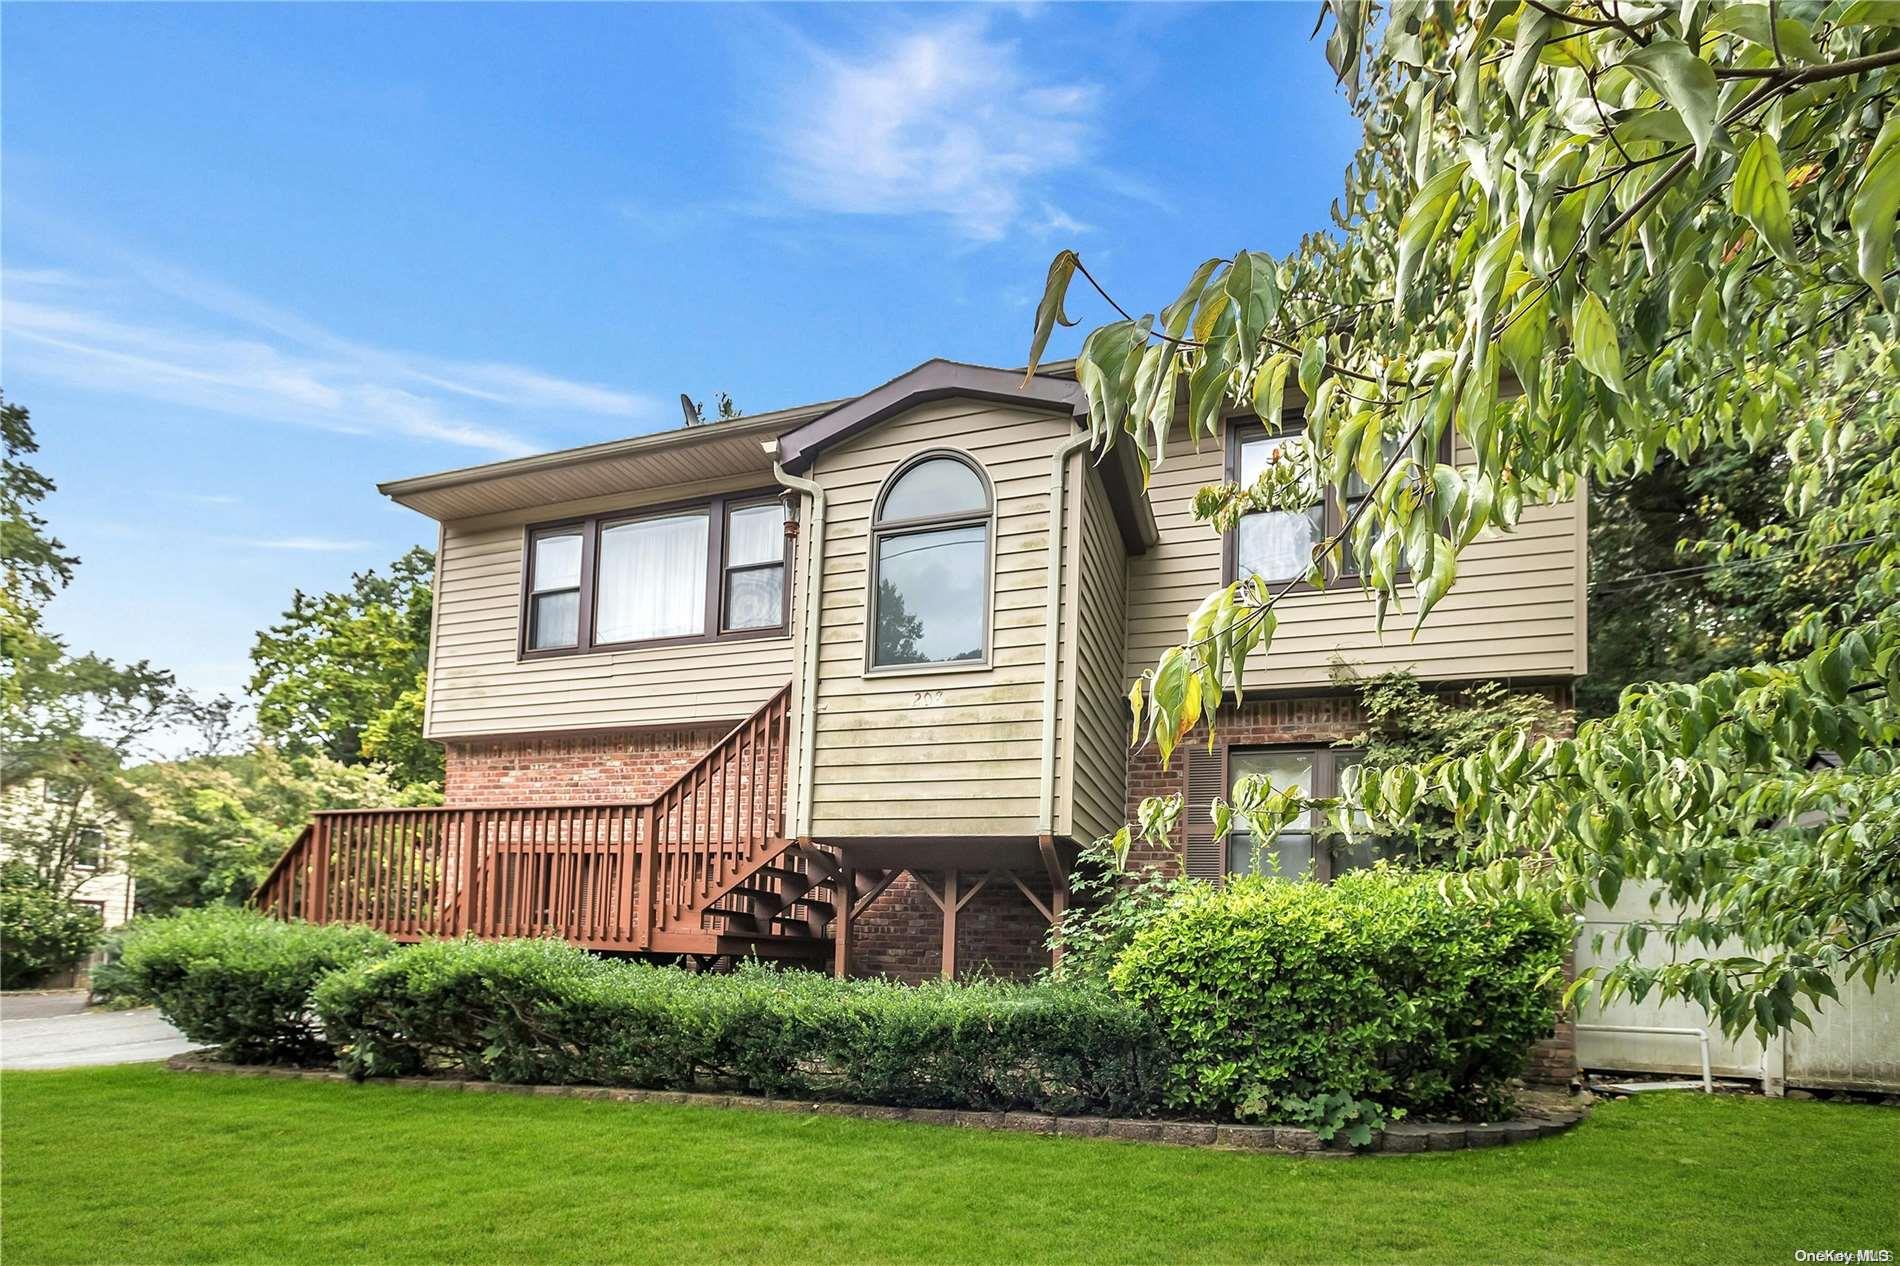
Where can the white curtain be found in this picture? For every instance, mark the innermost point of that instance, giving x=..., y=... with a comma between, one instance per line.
x=1278, y=544
x=755, y=534
x=652, y=579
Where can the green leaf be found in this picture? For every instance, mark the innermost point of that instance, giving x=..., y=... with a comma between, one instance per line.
x=1269, y=390
x=1594, y=335
x=1759, y=195
x=1255, y=293
x=1876, y=202
x=1312, y=365
x=1422, y=223
x=1525, y=336
x=1435, y=584
x=1135, y=702
x=1788, y=36
x=1534, y=29
x=1049, y=313
x=1685, y=81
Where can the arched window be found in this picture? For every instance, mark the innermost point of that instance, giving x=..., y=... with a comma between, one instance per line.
x=930, y=565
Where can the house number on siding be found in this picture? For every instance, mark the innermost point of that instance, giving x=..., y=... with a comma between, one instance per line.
x=926, y=698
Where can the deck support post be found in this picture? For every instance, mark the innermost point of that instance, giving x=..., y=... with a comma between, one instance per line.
x=841, y=923
x=1058, y=889
x=950, y=924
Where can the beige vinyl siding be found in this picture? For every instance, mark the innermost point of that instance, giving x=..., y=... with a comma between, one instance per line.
x=935, y=752
x=1093, y=763
x=1516, y=611
x=479, y=684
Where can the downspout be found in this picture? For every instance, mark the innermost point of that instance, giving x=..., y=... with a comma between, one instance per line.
x=1052, y=631
x=814, y=526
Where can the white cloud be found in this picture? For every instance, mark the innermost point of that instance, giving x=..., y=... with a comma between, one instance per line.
x=945, y=120
x=199, y=344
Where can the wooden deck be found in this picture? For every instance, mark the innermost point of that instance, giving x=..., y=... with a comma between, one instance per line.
x=703, y=868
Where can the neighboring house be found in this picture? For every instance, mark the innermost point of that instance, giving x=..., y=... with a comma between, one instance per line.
x=31, y=808
x=658, y=740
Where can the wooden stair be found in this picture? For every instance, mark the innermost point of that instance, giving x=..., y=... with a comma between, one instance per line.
x=702, y=869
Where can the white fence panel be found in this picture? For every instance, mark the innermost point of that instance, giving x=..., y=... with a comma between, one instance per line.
x=1855, y=1043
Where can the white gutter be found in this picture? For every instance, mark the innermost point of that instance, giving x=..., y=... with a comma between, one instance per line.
x=813, y=529
x=1051, y=632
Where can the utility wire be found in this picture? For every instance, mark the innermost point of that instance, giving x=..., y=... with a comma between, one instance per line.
x=1643, y=580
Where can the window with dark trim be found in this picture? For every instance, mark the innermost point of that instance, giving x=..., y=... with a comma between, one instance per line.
x=89, y=848
x=1278, y=545
x=1303, y=849
x=695, y=572
x=57, y=791
x=930, y=570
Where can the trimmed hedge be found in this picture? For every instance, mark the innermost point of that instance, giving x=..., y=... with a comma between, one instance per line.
x=239, y=981
x=544, y=1012
x=1283, y=1001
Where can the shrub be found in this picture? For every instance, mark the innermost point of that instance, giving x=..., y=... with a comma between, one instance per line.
x=542, y=1011
x=110, y=986
x=41, y=932
x=239, y=981
x=1308, y=1002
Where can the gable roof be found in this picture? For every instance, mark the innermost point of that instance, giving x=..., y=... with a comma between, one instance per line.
x=947, y=380
x=932, y=380
x=718, y=450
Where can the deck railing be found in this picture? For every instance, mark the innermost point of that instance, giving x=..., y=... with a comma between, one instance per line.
x=608, y=876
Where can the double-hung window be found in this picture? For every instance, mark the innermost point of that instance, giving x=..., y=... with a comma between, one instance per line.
x=684, y=573
x=1275, y=545
x=554, y=595
x=89, y=848
x=1278, y=545
x=1304, y=849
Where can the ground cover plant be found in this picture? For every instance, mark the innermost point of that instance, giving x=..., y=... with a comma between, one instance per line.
x=139, y=1164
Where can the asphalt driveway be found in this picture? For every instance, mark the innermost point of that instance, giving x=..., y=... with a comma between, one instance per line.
x=54, y=1030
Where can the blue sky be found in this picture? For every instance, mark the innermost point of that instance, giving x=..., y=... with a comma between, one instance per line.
x=257, y=258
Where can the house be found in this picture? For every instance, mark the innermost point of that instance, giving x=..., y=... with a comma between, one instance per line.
x=34, y=809
x=845, y=683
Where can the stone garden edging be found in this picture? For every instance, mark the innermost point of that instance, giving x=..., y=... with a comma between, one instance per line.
x=1399, y=1138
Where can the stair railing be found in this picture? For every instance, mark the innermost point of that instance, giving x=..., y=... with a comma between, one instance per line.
x=607, y=876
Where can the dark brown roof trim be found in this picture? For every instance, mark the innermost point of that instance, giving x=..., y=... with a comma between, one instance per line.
x=946, y=380
x=932, y=380
x=1121, y=480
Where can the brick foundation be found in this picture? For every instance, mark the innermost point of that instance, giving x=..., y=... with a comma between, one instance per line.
x=998, y=934
x=570, y=768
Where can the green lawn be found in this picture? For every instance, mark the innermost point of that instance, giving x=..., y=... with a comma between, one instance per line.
x=139, y=1164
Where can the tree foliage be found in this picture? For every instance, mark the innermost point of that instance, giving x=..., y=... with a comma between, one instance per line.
x=1579, y=236
x=75, y=720
x=211, y=827
x=343, y=674
x=41, y=930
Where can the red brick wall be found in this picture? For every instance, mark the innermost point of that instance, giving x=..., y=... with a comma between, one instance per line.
x=571, y=768
x=998, y=934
